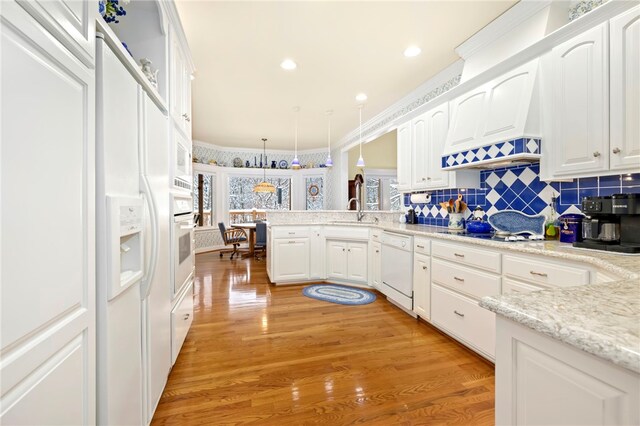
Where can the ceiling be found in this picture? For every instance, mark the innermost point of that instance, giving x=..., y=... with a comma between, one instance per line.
x=240, y=93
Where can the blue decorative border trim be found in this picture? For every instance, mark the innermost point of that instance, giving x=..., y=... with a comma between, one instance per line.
x=497, y=150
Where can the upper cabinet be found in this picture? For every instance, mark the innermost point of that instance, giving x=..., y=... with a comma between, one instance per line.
x=625, y=91
x=420, y=145
x=579, y=103
x=591, y=97
x=180, y=86
x=487, y=121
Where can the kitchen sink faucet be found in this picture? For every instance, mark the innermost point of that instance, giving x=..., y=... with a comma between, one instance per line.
x=358, y=198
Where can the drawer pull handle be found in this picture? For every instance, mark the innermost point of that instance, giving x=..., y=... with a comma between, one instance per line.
x=459, y=279
x=458, y=255
x=292, y=233
x=458, y=314
x=419, y=246
x=186, y=316
x=375, y=236
x=540, y=274
x=292, y=242
x=424, y=267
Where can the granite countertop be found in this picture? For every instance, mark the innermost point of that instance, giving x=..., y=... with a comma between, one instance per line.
x=601, y=319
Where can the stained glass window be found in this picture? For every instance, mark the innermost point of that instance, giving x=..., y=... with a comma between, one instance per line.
x=241, y=195
x=315, y=193
x=381, y=193
x=208, y=196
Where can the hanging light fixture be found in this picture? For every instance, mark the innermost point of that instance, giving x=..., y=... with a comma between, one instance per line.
x=295, y=164
x=360, y=162
x=264, y=186
x=329, y=162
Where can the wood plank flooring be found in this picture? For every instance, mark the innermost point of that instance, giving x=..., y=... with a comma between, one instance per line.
x=260, y=354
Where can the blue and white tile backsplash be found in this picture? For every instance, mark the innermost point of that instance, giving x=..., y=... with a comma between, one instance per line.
x=499, y=150
x=520, y=188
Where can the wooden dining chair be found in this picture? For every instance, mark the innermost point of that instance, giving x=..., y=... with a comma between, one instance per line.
x=232, y=237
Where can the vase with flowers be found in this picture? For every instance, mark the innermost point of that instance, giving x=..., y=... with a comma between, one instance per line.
x=111, y=10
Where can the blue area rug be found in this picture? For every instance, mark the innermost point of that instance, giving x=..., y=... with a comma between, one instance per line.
x=339, y=294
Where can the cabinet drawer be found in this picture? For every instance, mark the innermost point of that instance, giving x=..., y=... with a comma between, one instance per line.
x=463, y=318
x=181, y=319
x=465, y=255
x=290, y=231
x=513, y=286
x=348, y=232
x=421, y=246
x=544, y=272
x=473, y=283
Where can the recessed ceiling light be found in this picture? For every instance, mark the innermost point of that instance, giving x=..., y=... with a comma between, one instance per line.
x=288, y=65
x=412, y=51
x=361, y=97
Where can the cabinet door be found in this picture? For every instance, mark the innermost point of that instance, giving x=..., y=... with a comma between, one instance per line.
x=337, y=259
x=404, y=156
x=581, y=103
x=421, y=286
x=625, y=91
x=357, y=262
x=316, y=257
x=376, y=267
x=47, y=222
x=291, y=259
x=419, y=148
x=177, y=86
x=437, y=127
x=467, y=112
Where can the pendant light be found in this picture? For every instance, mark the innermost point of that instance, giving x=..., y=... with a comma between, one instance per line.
x=360, y=162
x=295, y=164
x=329, y=162
x=264, y=186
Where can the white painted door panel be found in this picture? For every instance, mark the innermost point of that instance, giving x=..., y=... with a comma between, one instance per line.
x=404, y=156
x=337, y=259
x=421, y=286
x=419, y=148
x=292, y=259
x=357, y=262
x=468, y=112
x=437, y=128
x=625, y=91
x=47, y=313
x=376, y=264
x=581, y=103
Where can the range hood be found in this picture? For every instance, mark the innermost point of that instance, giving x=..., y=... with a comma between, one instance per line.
x=496, y=124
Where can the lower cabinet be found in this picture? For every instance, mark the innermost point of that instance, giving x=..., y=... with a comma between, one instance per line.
x=181, y=319
x=376, y=264
x=422, y=285
x=347, y=260
x=316, y=253
x=541, y=381
x=291, y=259
x=464, y=319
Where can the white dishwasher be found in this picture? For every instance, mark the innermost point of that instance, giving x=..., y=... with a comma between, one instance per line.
x=397, y=268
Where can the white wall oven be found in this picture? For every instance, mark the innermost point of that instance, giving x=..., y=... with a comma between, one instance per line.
x=181, y=162
x=182, y=242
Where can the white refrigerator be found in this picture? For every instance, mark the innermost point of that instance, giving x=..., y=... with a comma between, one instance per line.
x=133, y=253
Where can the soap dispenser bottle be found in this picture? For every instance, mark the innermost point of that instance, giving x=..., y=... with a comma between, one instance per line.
x=551, y=228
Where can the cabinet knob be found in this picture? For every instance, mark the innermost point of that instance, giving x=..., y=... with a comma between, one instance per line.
x=186, y=316
x=184, y=115
x=428, y=178
x=616, y=150
x=424, y=267
x=342, y=249
x=349, y=250
x=423, y=179
x=596, y=154
x=377, y=251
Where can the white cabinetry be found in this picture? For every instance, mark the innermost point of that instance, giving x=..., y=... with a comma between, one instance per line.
x=420, y=145
x=180, y=87
x=291, y=259
x=541, y=381
x=404, y=156
x=316, y=253
x=47, y=308
x=580, y=100
x=347, y=261
x=625, y=91
x=376, y=264
x=421, y=278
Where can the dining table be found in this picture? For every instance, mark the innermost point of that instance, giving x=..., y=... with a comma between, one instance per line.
x=250, y=227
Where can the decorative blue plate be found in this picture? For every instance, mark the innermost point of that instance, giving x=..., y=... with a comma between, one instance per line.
x=516, y=222
x=283, y=164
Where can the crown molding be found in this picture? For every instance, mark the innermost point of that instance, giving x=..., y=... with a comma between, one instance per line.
x=500, y=26
x=256, y=150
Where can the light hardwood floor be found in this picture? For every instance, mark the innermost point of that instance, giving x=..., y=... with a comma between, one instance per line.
x=262, y=354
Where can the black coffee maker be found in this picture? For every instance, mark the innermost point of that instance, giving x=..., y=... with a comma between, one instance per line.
x=612, y=223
